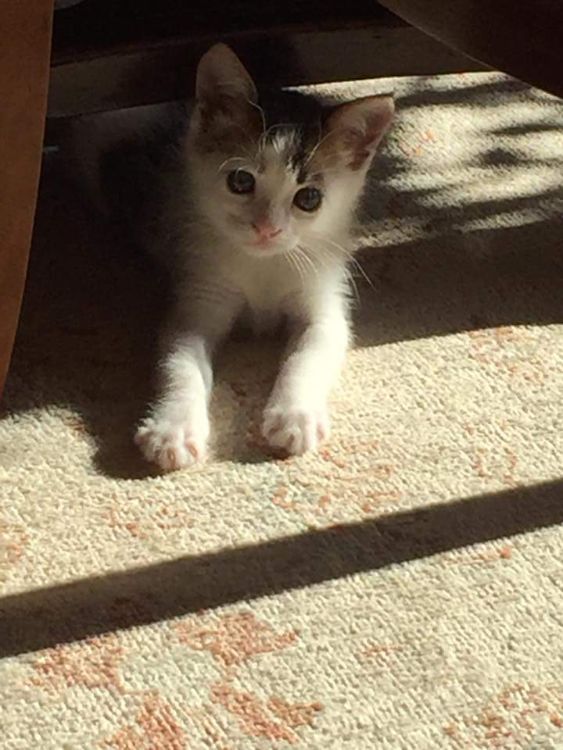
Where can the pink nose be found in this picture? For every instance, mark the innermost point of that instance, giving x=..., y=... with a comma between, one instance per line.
x=265, y=229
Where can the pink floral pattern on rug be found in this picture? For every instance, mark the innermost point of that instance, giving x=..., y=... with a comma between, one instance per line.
x=233, y=638
x=153, y=728
x=93, y=663
x=273, y=719
x=509, y=719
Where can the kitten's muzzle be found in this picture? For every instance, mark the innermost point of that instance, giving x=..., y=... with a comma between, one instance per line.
x=265, y=231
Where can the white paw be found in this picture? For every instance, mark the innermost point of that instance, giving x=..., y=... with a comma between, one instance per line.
x=295, y=429
x=173, y=445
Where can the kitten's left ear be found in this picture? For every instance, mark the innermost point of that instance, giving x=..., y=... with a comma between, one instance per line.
x=357, y=128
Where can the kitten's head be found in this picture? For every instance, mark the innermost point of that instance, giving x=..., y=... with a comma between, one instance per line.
x=274, y=173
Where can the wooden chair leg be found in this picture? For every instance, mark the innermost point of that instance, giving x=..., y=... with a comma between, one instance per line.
x=25, y=46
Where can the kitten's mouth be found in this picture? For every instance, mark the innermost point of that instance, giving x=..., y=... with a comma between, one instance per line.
x=265, y=248
x=264, y=244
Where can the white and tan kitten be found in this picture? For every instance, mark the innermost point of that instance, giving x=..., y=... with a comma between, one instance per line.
x=256, y=222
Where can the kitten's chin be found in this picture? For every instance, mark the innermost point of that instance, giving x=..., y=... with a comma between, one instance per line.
x=266, y=249
x=264, y=252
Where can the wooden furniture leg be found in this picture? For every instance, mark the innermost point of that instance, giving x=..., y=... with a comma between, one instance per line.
x=25, y=45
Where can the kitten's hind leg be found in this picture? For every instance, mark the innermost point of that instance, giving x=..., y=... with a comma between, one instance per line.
x=176, y=431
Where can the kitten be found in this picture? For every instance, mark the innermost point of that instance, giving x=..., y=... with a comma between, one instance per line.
x=257, y=220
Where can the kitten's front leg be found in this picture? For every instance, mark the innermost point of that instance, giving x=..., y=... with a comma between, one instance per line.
x=175, y=433
x=296, y=417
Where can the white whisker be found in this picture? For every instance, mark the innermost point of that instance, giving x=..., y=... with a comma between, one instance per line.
x=338, y=253
x=305, y=262
x=306, y=259
x=296, y=265
x=350, y=257
x=262, y=114
x=352, y=282
x=315, y=259
x=229, y=160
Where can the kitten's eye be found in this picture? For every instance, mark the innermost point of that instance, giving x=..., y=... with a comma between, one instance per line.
x=308, y=198
x=240, y=182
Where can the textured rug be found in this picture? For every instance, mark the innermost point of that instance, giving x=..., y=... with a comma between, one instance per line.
x=401, y=589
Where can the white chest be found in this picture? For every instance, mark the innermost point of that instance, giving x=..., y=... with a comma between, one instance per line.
x=265, y=287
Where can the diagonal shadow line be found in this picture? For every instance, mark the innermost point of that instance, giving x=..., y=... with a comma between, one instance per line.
x=93, y=606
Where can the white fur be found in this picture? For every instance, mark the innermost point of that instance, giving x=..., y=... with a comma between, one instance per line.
x=224, y=277
x=221, y=273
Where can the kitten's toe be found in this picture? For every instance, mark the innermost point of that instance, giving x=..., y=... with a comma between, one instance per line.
x=295, y=430
x=170, y=446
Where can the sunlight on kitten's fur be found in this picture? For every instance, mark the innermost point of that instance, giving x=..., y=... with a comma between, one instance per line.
x=257, y=216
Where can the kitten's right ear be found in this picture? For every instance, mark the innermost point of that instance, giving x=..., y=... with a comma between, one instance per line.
x=221, y=75
x=226, y=111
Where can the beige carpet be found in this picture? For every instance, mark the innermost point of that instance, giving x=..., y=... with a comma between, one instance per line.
x=399, y=590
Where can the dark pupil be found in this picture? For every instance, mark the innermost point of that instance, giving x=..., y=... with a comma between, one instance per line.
x=308, y=199
x=240, y=181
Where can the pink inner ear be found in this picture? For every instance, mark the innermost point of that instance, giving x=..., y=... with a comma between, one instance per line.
x=360, y=125
x=379, y=121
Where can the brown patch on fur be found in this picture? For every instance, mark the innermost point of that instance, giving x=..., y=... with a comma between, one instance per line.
x=235, y=638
